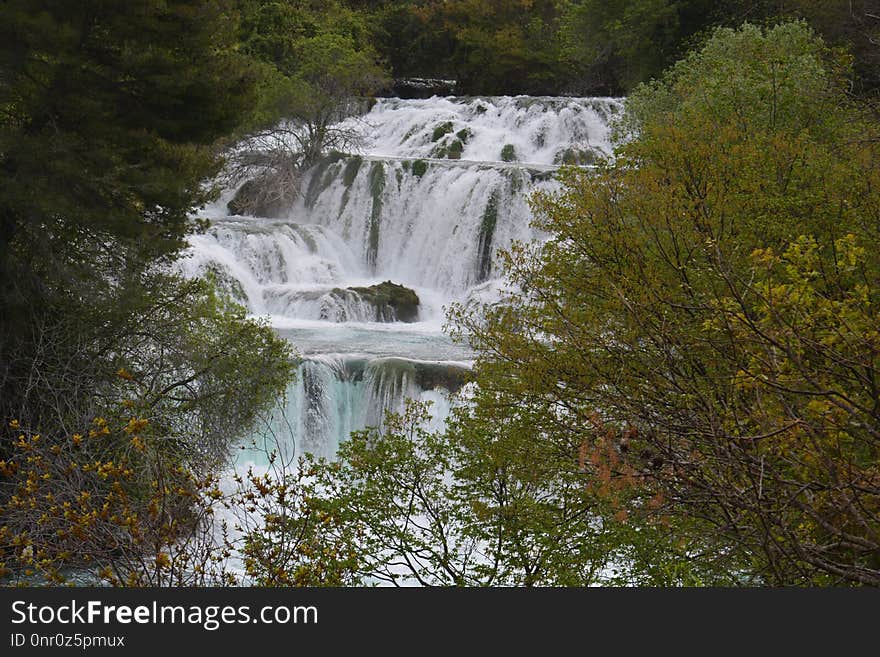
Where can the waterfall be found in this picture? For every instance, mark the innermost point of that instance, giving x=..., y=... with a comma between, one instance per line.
x=358, y=272
x=333, y=395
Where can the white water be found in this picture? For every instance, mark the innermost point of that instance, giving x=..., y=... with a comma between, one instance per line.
x=539, y=128
x=398, y=212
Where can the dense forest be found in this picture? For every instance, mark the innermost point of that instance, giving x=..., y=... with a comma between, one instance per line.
x=681, y=387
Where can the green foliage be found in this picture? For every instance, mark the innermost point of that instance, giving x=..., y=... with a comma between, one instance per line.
x=108, y=118
x=619, y=44
x=106, y=115
x=109, y=114
x=316, y=55
x=317, y=68
x=482, y=504
x=393, y=502
x=502, y=46
x=701, y=324
x=780, y=79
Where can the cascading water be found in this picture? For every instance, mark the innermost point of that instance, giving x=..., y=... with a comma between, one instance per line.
x=357, y=274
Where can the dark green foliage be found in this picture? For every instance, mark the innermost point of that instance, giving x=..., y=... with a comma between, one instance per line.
x=108, y=115
x=107, y=112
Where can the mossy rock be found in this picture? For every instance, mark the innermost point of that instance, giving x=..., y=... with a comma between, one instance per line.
x=451, y=151
x=577, y=156
x=464, y=135
x=454, y=150
x=392, y=301
x=321, y=176
x=442, y=130
x=508, y=153
x=419, y=168
x=487, y=234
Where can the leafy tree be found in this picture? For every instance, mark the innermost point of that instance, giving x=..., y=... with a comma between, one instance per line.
x=128, y=497
x=617, y=45
x=109, y=114
x=621, y=44
x=483, y=504
x=502, y=46
x=709, y=296
x=318, y=68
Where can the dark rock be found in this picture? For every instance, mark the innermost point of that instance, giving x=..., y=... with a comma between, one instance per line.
x=441, y=375
x=254, y=199
x=420, y=88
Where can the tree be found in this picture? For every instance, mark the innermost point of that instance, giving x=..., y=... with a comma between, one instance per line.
x=618, y=45
x=482, y=504
x=109, y=115
x=319, y=67
x=621, y=44
x=709, y=298
x=502, y=46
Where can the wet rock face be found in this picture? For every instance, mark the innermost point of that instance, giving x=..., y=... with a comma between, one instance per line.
x=421, y=88
x=261, y=197
x=392, y=302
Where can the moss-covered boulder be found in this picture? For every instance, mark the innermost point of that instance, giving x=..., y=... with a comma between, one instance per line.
x=442, y=130
x=577, y=156
x=393, y=302
x=419, y=168
x=454, y=150
x=508, y=153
